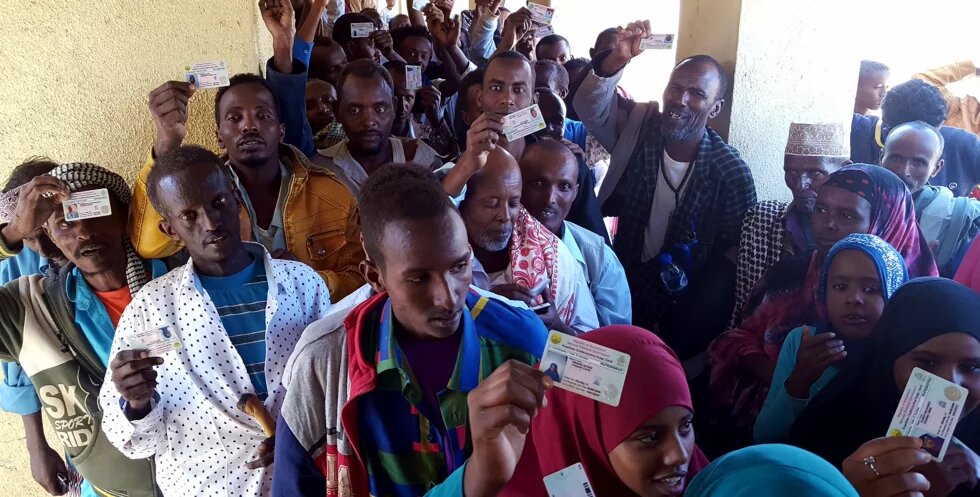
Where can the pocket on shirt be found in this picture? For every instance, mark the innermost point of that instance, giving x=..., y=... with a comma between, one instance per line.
x=322, y=245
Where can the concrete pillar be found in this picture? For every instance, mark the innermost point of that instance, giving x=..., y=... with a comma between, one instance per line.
x=795, y=62
x=788, y=61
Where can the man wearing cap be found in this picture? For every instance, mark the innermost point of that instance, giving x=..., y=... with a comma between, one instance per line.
x=774, y=229
x=59, y=326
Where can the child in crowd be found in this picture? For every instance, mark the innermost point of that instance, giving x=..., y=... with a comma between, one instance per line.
x=859, y=275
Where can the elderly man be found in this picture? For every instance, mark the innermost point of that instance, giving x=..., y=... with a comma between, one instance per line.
x=679, y=190
x=236, y=313
x=59, y=326
x=774, y=229
x=516, y=256
x=913, y=151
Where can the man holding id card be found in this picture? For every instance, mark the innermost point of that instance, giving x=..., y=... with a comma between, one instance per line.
x=205, y=337
x=59, y=326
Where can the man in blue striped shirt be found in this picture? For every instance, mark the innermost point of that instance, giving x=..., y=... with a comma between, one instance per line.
x=237, y=313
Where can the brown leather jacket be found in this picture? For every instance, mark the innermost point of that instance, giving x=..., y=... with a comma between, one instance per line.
x=320, y=219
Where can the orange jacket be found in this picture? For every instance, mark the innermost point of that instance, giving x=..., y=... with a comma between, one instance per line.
x=964, y=112
x=320, y=219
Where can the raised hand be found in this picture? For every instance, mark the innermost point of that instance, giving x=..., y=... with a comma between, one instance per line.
x=816, y=354
x=168, y=105
x=500, y=412
x=38, y=199
x=432, y=103
x=627, y=47
x=278, y=17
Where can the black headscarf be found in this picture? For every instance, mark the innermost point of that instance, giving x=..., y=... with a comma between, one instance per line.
x=859, y=402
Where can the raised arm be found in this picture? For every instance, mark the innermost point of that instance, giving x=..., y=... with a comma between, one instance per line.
x=308, y=26
x=596, y=102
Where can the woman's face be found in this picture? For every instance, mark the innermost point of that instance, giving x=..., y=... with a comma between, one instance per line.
x=953, y=356
x=839, y=213
x=653, y=460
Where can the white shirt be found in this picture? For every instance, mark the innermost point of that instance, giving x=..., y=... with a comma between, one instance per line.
x=664, y=203
x=198, y=437
x=572, y=288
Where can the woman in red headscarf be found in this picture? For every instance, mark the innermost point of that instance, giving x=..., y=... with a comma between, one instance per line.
x=643, y=447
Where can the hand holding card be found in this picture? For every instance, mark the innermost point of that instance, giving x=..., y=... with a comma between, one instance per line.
x=519, y=124
x=585, y=368
x=929, y=409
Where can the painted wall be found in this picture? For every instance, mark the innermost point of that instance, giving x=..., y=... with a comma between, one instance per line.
x=77, y=74
x=786, y=70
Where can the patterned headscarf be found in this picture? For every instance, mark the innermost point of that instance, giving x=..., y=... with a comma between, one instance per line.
x=534, y=259
x=80, y=176
x=891, y=267
x=892, y=213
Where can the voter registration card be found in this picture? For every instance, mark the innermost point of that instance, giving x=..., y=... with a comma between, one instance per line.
x=543, y=31
x=419, y=4
x=569, y=482
x=929, y=409
x=207, y=74
x=541, y=14
x=361, y=29
x=585, y=368
x=156, y=341
x=413, y=77
x=662, y=42
x=87, y=204
x=523, y=122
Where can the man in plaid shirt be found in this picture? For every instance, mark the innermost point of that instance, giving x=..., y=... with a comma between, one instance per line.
x=676, y=187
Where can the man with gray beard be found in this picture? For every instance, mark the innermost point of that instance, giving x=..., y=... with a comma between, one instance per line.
x=678, y=189
x=515, y=256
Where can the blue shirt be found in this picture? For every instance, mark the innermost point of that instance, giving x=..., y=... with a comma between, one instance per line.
x=240, y=300
x=603, y=272
x=17, y=395
x=302, y=50
x=576, y=133
x=780, y=410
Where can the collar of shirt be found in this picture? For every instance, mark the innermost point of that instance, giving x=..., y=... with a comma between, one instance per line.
x=276, y=232
x=275, y=273
x=569, y=241
x=466, y=374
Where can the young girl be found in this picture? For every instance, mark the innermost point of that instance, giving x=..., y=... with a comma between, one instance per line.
x=859, y=275
x=932, y=324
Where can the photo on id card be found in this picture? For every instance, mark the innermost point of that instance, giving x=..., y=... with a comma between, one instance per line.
x=585, y=368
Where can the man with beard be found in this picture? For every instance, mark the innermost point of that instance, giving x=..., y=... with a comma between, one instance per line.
x=772, y=229
x=292, y=208
x=237, y=314
x=514, y=254
x=385, y=396
x=59, y=326
x=678, y=189
x=366, y=108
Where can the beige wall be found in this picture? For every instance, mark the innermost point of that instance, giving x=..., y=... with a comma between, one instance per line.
x=785, y=71
x=77, y=74
x=75, y=81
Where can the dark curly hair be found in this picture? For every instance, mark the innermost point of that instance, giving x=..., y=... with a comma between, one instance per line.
x=913, y=100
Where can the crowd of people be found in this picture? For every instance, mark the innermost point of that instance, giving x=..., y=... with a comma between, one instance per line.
x=354, y=298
